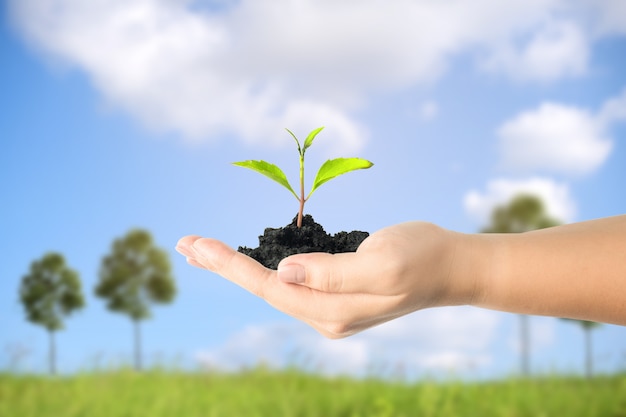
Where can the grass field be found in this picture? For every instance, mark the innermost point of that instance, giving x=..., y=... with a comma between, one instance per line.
x=291, y=393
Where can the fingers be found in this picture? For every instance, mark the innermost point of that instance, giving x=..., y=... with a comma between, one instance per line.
x=184, y=247
x=338, y=273
x=220, y=258
x=342, y=273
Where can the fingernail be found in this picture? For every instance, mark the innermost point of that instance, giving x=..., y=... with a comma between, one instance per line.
x=204, y=254
x=292, y=273
x=184, y=250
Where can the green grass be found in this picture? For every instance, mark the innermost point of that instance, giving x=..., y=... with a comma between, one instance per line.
x=292, y=393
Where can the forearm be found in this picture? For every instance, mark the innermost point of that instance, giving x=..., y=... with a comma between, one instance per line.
x=576, y=271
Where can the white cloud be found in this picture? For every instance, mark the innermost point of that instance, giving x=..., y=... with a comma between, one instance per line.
x=556, y=138
x=608, y=16
x=557, y=50
x=556, y=197
x=445, y=339
x=613, y=110
x=174, y=68
x=250, y=67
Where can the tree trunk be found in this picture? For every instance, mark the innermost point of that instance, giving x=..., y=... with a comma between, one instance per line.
x=137, y=345
x=524, y=345
x=52, y=354
x=588, y=353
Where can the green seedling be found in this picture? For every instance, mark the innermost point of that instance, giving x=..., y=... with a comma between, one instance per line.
x=329, y=170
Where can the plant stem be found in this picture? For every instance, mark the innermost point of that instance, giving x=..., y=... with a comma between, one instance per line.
x=302, y=199
x=300, y=212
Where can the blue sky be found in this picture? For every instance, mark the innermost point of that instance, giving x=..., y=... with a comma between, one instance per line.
x=117, y=115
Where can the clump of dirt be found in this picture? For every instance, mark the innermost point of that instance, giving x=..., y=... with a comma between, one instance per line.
x=277, y=244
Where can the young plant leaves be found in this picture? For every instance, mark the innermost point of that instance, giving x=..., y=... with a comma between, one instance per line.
x=300, y=151
x=269, y=170
x=329, y=170
x=309, y=139
x=335, y=167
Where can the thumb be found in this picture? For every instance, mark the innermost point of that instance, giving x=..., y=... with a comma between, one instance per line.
x=338, y=273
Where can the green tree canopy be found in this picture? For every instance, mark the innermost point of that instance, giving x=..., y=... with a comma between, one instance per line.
x=523, y=213
x=133, y=276
x=49, y=292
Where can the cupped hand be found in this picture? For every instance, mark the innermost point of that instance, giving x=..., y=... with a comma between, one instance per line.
x=395, y=271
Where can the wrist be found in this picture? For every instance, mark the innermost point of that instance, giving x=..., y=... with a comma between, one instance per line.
x=473, y=257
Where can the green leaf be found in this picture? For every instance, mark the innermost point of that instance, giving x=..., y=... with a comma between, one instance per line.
x=269, y=170
x=335, y=167
x=300, y=151
x=309, y=139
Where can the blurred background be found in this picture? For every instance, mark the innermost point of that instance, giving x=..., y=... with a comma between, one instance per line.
x=117, y=116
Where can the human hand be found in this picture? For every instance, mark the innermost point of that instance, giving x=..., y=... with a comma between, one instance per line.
x=395, y=271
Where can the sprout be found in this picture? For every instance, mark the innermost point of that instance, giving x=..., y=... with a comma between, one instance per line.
x=329, y=170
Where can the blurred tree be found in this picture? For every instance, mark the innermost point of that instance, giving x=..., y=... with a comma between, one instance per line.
x=523, y=213
x=133, y=276
x=587, y=327
x=49, y=292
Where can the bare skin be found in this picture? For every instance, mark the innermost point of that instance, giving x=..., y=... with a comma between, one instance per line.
x=575, y=271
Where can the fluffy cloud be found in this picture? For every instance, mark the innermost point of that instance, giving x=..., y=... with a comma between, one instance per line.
x=609, y=16
x=250, y=68
x=613, y=110
x=556, y=197
x=447, y=339
x=557, y=50
x=553, y=138
x=176, y=68
x=559, y=139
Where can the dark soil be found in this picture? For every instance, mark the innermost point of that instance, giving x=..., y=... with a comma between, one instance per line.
x=276, y=244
